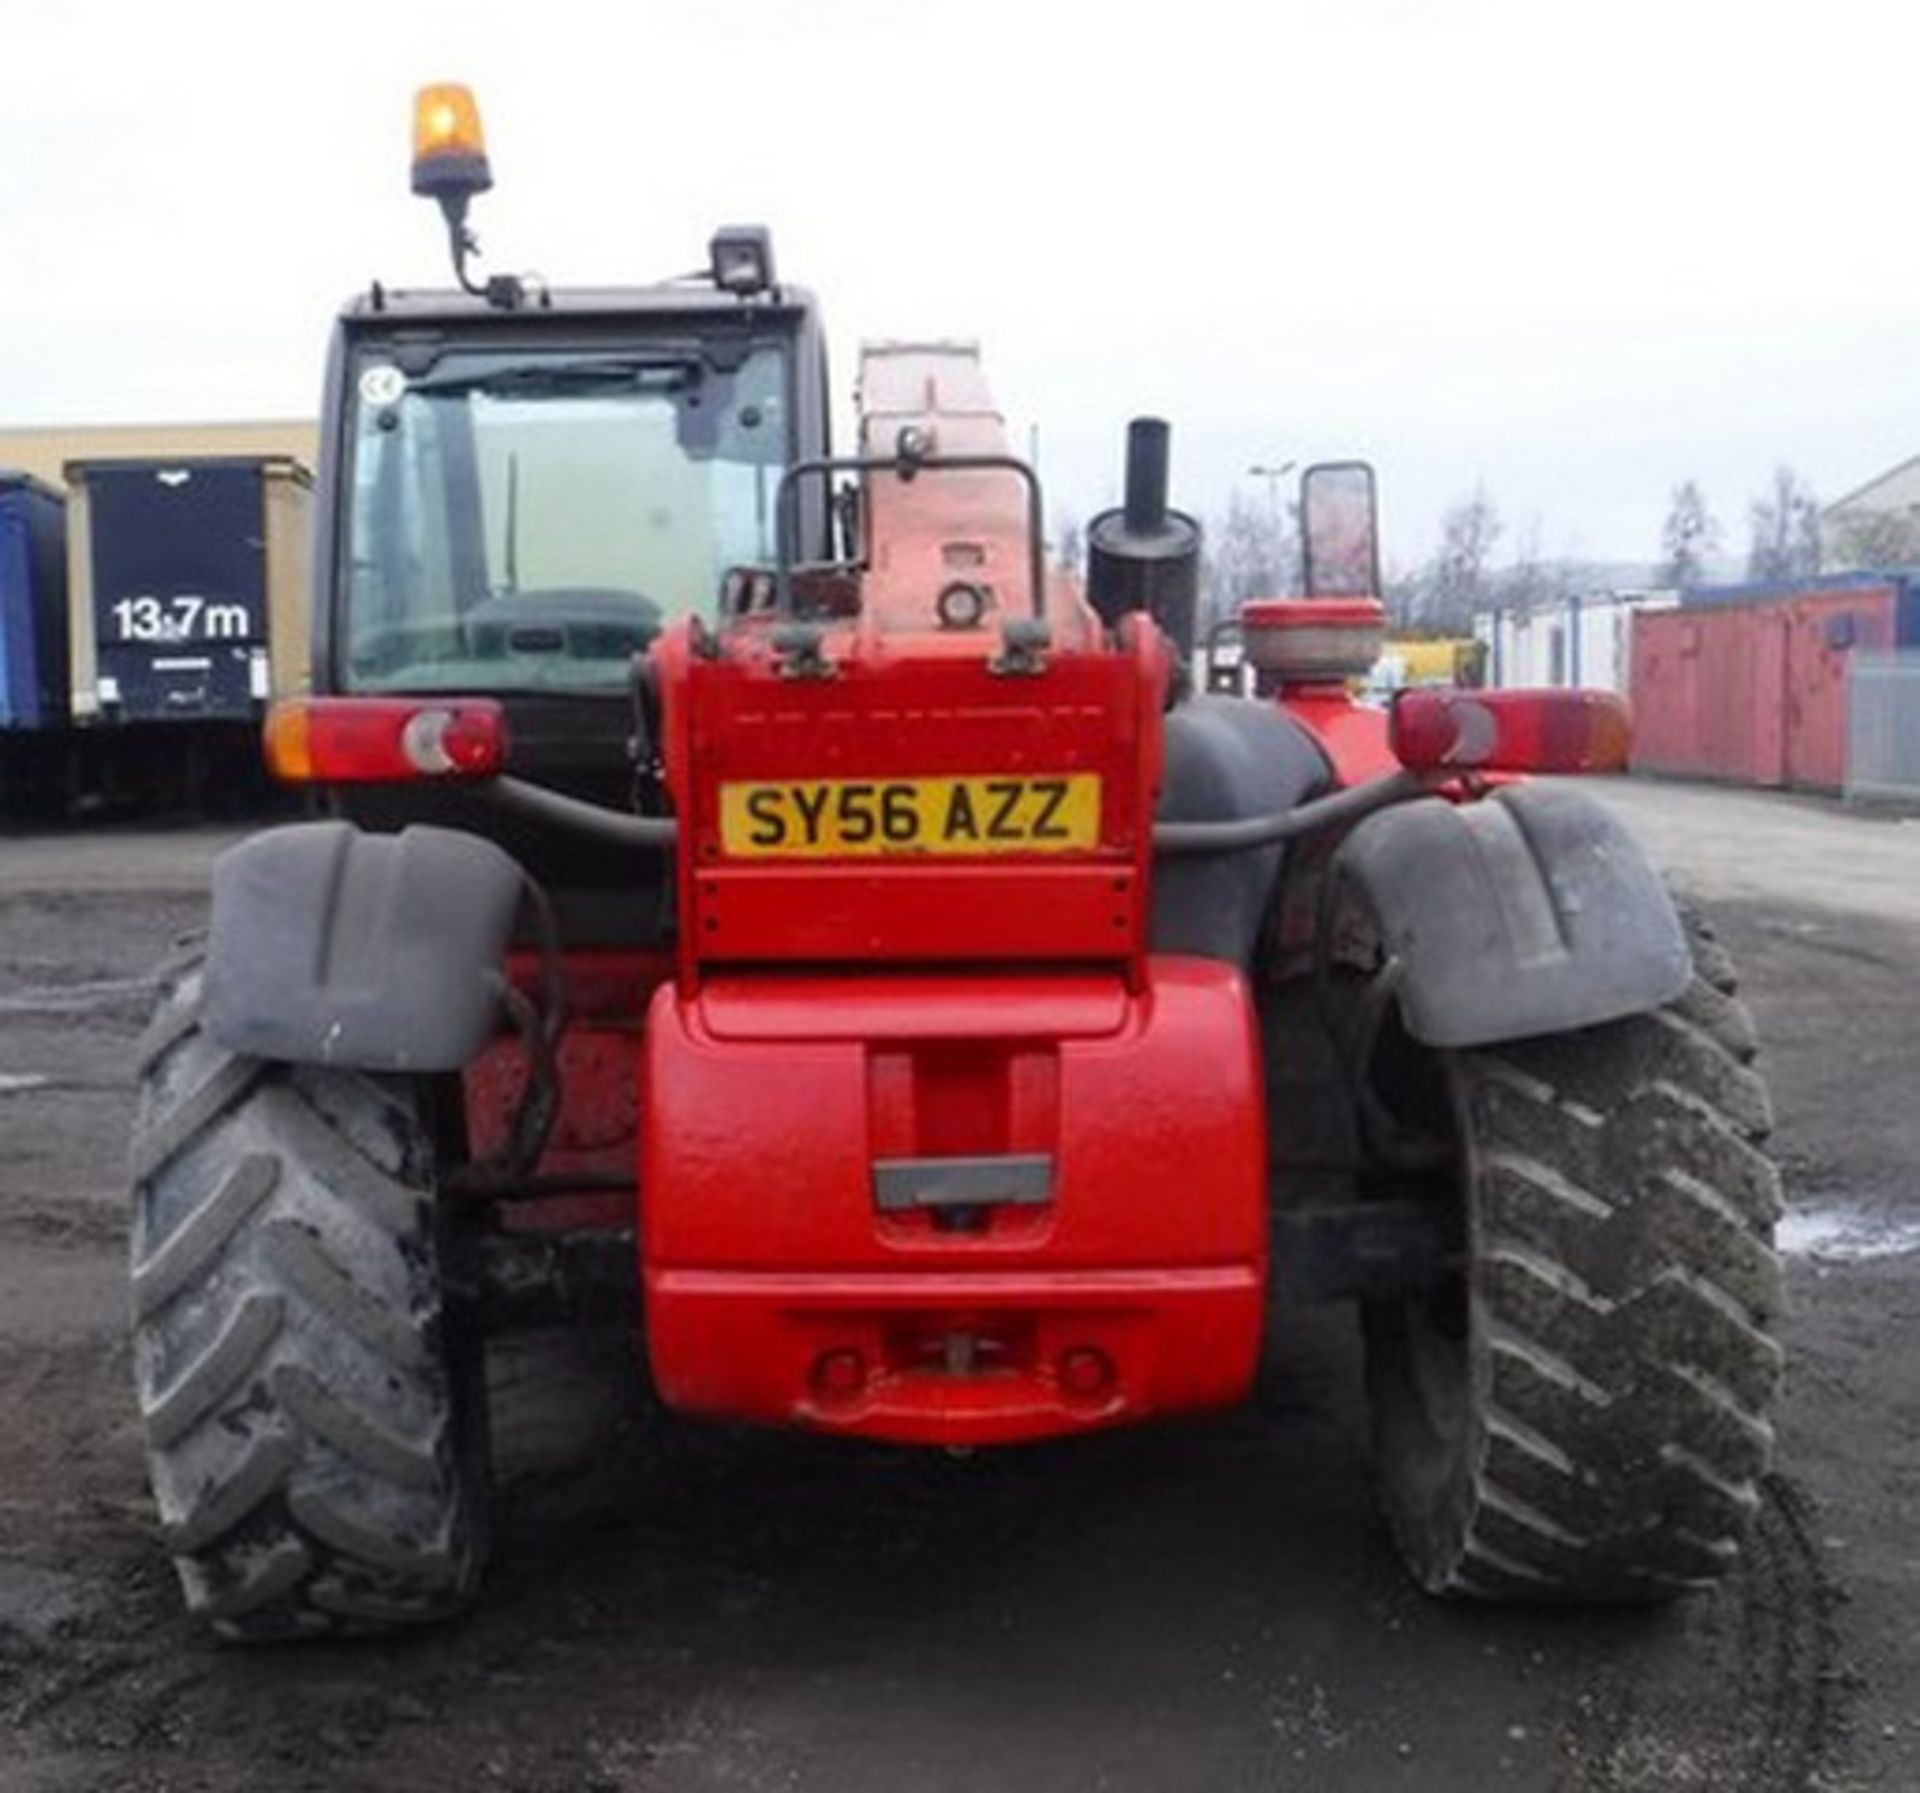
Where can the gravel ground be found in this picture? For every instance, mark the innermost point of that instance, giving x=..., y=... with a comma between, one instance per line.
x=1212, y=1605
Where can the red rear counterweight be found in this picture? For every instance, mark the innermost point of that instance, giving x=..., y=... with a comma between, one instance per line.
x=954, y=1209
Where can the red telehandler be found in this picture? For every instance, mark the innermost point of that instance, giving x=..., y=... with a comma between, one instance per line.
x=759, y=890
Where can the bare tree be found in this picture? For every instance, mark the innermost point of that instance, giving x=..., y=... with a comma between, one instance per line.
x=1458, y=582
x=1785, y=542
x=1875, y=539
x=1404, y=592
x=1528, y=582
x=1253, y=556
x=1688, y=538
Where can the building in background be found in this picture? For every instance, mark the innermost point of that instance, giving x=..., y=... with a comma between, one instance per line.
x=1876, y=525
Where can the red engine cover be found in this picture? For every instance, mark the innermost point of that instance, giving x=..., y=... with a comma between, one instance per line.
x=796, y=1124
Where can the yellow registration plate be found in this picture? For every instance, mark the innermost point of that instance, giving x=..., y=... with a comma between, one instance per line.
x=852, y=817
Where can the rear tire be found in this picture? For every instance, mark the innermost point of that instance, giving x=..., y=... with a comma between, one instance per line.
x=1582, y=1414
x=315, y=1419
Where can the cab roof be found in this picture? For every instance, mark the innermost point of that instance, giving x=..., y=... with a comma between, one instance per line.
x=692, y=299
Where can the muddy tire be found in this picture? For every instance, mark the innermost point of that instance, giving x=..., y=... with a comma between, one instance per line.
x=315, y=1424
x=1582, y=1414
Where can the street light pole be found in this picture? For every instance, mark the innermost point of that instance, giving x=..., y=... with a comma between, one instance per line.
x=1273, y=474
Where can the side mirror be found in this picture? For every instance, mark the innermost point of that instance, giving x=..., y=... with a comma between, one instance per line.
x=1340, y=527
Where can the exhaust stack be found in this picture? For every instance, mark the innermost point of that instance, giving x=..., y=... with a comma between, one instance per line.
x=1145, y=556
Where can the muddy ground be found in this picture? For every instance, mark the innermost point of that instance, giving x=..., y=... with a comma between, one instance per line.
x=1209, y=1606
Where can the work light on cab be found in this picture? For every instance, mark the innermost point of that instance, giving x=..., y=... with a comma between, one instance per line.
x=1510, y=731
x=360, y=740
x=740, y=259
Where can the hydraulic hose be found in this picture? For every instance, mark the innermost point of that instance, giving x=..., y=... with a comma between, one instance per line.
x=535, y=803
x=1171, y=840
x=1174, y=840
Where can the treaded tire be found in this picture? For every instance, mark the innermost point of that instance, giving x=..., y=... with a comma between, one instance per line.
x=1583, y=1416
x=315, y=1428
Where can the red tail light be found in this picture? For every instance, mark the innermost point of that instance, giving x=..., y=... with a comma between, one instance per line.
x=1510, y=731
x=385, y=740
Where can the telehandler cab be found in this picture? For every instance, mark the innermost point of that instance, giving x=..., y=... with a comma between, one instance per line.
x=763, y=866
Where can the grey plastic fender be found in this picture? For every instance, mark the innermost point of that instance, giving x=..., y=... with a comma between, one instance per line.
x=1529, y=912
x=1228, y=758
x=377, y=951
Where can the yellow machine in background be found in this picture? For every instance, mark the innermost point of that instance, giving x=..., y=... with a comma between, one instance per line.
x=1443, y=660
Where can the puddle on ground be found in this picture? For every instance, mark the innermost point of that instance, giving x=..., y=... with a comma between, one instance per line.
x=1846, y=1235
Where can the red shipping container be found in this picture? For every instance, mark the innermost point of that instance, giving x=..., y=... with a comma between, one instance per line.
x=1755, y=689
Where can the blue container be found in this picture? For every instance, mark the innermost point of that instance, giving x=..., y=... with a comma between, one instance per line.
x=33, y=604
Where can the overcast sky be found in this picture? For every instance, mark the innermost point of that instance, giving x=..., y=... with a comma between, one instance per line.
x=1578, y=252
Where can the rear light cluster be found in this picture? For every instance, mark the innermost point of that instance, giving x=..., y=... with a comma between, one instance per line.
x=1510, y=731
x=381, y=740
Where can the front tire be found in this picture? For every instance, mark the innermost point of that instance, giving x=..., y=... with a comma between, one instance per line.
x=1581, y=1414
x=315, y=1417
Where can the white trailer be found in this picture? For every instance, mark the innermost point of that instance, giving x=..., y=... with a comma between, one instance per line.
x=1581, y=640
